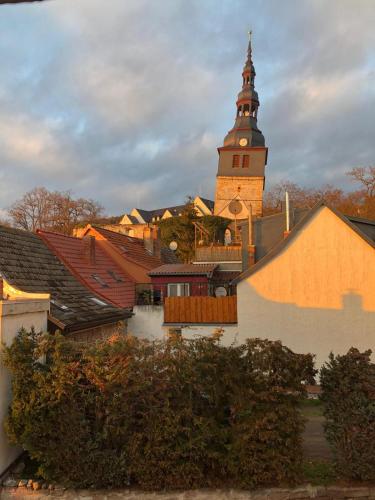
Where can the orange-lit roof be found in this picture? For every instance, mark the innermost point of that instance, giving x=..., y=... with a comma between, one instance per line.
x=131, y=248
x=103, y=276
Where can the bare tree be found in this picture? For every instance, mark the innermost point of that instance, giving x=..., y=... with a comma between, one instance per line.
x=366, y=176
x=360, y=203
x=53, y=210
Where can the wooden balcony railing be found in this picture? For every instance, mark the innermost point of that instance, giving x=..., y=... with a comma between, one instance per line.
x=219, y=253
x=205, y=310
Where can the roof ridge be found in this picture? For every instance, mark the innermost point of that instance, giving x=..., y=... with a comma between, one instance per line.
x=136, y=240
x=360, y=219
x=294, y=231
x=45, y=231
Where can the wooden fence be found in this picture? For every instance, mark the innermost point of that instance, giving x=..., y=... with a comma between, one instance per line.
x=219, y=253
x=206, y=310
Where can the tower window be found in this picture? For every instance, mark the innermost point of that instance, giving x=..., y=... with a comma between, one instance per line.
x=245, y=161
x=236, y=161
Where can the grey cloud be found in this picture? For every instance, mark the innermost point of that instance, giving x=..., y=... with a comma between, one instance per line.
x=127, y=104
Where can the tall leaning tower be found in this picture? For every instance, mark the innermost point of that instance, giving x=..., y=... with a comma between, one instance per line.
x=243, y=157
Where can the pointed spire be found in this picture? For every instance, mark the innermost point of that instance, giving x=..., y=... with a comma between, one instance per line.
x=247, y=105
x=249, y=50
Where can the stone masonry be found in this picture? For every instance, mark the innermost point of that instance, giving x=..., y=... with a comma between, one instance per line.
x=302, y=493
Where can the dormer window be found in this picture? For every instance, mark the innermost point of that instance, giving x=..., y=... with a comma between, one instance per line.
x=99, y=280
x=115, y=276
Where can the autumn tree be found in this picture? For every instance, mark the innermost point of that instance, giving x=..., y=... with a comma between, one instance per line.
x=53, y=210
x=365, y=176
x=359, y=203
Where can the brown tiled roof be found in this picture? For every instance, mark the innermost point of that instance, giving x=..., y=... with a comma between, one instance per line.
x=103, y=276
x=184, y=270
x=27, y=264
x=131, y=248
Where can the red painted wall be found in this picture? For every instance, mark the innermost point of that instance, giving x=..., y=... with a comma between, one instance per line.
x=198, y=284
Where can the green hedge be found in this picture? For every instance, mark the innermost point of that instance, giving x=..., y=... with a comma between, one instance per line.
x=176, y=414
x=348, y=393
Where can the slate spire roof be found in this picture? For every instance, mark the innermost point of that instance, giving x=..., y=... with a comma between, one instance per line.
x=247, y=109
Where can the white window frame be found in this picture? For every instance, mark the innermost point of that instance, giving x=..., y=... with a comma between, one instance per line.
x=181, y=287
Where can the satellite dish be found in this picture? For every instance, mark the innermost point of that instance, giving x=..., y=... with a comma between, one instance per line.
x=220, y=291
x=235, y=207
x=173, y=246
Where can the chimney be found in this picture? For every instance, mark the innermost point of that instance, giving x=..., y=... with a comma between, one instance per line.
x=288, y=215
x=156, y=241
x=251, y=246
x=88, y=249
x=151, y=241
x=248, y=247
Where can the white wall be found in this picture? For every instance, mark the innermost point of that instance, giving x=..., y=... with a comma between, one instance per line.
x=317, y=295
x=15, y=314
x=147, y=323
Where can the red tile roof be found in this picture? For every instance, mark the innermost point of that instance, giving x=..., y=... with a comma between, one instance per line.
x=103, y=276
x=131, y=248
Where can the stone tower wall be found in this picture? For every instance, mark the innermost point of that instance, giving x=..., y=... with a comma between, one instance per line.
x=250, y=192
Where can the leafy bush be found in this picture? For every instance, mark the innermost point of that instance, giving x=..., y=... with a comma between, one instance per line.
x=176, y=414
x=348, y=391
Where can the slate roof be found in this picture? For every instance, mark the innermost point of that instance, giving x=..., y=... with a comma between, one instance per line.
x=184, y=270
x=148, y=215
x=366, y=226
x=27, y=264
x=209, y=203
x=104, y=277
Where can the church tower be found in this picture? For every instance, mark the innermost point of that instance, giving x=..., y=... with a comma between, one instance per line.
x=243, y=157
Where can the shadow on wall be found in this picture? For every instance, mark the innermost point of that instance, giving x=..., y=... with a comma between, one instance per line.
x=307, y=329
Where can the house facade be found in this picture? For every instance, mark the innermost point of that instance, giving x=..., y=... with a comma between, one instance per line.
x=17, y=310
x=315, y=290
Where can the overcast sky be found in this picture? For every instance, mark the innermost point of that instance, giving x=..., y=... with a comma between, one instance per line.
x=126, y=101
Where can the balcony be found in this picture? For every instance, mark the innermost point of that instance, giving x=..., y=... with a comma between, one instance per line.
x=200, y=310
x=220, y=253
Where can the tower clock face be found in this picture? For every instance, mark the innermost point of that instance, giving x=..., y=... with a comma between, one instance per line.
x=243, y=141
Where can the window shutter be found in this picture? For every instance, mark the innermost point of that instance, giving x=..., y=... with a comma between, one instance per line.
x=236, y=161
x=245, y=161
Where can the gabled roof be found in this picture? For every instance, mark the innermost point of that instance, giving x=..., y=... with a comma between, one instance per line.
x=28, y=264
x=209, y=203
x=131, y=248
x=104, y=277
x=295, y=231
x=184, y=270
x=366, y=226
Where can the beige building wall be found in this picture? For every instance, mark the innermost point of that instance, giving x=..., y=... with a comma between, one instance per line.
x=248, y=190
x=19, y=311
x=147, y=323
x=317, y=295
